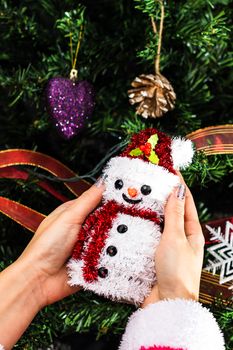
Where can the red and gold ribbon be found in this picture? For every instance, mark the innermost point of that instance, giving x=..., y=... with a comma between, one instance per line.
x=25, y=157
x=23, y=215
x=213, y=139
x=12, y=172
x=210, y=289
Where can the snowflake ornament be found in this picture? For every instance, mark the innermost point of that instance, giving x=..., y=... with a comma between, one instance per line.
x=222, y=252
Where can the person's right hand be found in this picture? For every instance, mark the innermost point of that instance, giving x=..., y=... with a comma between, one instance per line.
x=179, y=255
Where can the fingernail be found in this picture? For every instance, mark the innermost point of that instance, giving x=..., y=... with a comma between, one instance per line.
x=100, y=181
x=180, y=192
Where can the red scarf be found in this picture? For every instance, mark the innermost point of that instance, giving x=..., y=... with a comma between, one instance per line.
x=98, y=226
x=113, y=206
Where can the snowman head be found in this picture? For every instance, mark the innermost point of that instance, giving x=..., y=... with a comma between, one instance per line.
x=144, y=175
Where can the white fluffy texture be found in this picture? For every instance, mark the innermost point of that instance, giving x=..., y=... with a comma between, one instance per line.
x=131, y=271
x=182, y=152
x=1, y=347
x=176, y=323
x=135, y=173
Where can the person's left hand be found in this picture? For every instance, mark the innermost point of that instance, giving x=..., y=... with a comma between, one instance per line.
x=52, y=245
x=179, y=255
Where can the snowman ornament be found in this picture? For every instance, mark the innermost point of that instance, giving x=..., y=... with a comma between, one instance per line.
x=115, y=249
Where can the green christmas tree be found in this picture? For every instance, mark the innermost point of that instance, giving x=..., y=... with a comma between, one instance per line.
x=118, y=45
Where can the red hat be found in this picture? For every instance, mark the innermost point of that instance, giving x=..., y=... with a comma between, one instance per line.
x=152, y=146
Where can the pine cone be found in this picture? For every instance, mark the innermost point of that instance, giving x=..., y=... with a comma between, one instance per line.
x=154, y=94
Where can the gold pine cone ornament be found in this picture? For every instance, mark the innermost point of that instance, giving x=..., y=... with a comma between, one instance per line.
x=154, y=93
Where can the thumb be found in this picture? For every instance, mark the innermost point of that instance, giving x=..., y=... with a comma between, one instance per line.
x=174, y=212
x=85, y=204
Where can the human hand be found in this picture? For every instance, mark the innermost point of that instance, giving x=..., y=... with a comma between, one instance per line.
x=52, y=245
x=179, y=255
x=39, y=277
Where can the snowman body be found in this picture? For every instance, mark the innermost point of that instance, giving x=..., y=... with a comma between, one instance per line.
x=125, y=268
x=115, y=250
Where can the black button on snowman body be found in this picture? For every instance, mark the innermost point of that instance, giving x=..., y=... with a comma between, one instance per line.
x=111, y=250
x=102, y=272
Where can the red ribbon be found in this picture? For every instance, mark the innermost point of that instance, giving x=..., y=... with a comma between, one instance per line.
x=213, y=139
x=25, y=157
x=25, y=216
x=22, y=214
x=12, y=172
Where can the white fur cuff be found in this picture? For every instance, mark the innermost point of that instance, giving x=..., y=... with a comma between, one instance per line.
x=175, y=323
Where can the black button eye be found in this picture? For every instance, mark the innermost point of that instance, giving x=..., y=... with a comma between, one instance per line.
x=145, y=189
x=119, y=184
x=122, y=228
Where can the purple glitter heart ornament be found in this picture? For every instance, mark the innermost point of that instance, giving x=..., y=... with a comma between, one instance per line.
x=70, y=104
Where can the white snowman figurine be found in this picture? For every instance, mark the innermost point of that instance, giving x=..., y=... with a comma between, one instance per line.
x=115, y=249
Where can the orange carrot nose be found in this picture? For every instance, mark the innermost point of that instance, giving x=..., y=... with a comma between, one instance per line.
x=132, y=192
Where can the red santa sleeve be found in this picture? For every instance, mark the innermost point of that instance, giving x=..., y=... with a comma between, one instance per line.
x=177, y=324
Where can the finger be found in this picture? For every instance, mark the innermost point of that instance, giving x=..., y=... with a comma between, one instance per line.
x=192, y=224
x=180, y=176
x=191, y=220
x=61, y=208
x=84, y=205
x=54, y=215
x=174, y=212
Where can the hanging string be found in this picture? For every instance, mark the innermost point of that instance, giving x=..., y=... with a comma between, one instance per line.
x=74, y=71
x=160, y=34
x=71, y=47
x=80, y=37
